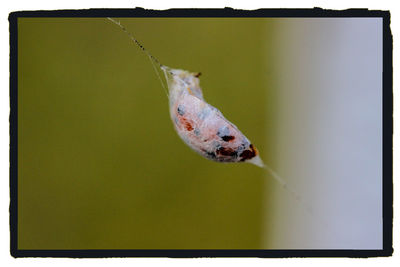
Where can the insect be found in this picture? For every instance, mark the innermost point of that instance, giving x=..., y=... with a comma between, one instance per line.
x=200, y=125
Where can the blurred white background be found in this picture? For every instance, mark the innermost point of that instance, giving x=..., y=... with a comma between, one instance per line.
x=329, y=142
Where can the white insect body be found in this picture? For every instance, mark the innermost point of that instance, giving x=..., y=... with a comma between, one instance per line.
x=202, y=126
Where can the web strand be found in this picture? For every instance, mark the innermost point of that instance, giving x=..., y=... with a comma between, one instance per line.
x=285, y=186
x=136, y=41
x=307, y=207
x=154, y=61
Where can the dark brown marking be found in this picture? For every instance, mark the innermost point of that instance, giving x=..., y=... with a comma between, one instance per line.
x=248, y=154
x=188, y=126
x=197, y=75
x=226, y=151
x=254, y=149
x=228, y=138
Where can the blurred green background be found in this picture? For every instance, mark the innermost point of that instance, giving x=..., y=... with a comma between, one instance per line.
x=99, y=163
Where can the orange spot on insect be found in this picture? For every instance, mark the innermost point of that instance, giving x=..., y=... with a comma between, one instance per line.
x=255, y=149
x=187, y=124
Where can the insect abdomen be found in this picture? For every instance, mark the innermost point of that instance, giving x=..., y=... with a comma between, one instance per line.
x=205, y=130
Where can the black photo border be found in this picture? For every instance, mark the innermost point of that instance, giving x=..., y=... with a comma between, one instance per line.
x=387, y=131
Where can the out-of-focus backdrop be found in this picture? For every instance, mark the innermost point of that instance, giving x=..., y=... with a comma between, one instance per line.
x=328, y=73
x=100, y=166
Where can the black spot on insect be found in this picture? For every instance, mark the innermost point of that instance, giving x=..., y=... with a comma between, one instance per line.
x=211, y=155
x=223, y=131
x=248, y=153
x=228, y=138
x=181, y=110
